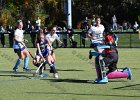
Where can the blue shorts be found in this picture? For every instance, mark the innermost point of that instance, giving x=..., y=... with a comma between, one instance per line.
x=19, y=50
x=96, y=45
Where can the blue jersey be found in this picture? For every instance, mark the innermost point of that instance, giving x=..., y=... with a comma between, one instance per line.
x=43, y=47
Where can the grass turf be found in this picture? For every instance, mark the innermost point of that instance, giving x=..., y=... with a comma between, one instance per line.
x=76, y=74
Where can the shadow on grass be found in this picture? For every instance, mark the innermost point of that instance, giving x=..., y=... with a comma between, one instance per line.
x=68, y=80
x=112, y=81
x=78, y=81
x=101, y=95
x=12, y=72
x=26, y=76
x=129, y=87
x=69, y=70
x=6, y=72
x=17, y=74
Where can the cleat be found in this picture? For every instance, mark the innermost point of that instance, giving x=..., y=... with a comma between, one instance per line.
x=15, y=70
x=129, y=74
x=55, y=75
x=101, y=81
x=125, y=69
x=97, y=80
x=128, y=70
x=26, y=69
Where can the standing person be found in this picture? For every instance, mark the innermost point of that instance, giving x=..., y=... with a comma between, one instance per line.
x=95, y=33
x=93, y=20
x=125, y=25
x=136, y=26
x=33, y=35
x=2, y=36
x=83, y=37
x=28, y=27
x=10, y=31
x=19, y=47
x=45, y=30
x=52, y=36
x=70, y=32
x=58, y=30
x=114, y=22
x=38, y=23
x=64, y=36
x=85, y=23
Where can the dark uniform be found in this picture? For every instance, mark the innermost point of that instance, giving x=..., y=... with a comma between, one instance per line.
x=110, y=57
x=43, y=48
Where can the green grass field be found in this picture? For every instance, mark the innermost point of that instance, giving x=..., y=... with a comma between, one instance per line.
x=76, y=74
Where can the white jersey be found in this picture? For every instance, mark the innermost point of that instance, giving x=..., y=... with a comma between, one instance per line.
x=52, y=38
x=19, y=34
x=97, y=33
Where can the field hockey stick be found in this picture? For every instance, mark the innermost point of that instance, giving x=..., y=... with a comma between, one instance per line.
x=34, y=74
x=39, y=67
x=29, y=52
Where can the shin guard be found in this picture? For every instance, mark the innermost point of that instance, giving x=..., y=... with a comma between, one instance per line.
x=117, y=74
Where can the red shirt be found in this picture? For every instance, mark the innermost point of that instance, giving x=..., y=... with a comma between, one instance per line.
x=109, y=38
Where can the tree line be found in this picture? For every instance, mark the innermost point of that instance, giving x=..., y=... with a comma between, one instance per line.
x=53, y=11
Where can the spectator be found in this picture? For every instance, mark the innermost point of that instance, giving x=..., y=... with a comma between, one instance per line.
x=70, y=32
x=83, y=37
x=58, y=30
x=33, y=35
x=85, y=24
x=93, y=20
x=64, y=36
x=28, y=27
x=45, y=30
x=2, y=37
x=129, y=25
x=38, y=23
x=114, y=23
x=10, y=31
x=125, y=25
x=136, y=26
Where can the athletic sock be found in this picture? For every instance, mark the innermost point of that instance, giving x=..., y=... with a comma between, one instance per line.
x=26, y=61
x=17, y=63
x=51, y=65
x=52, y=68
x=98, y=71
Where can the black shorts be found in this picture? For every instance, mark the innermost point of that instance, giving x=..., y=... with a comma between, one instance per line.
x=17, y=50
